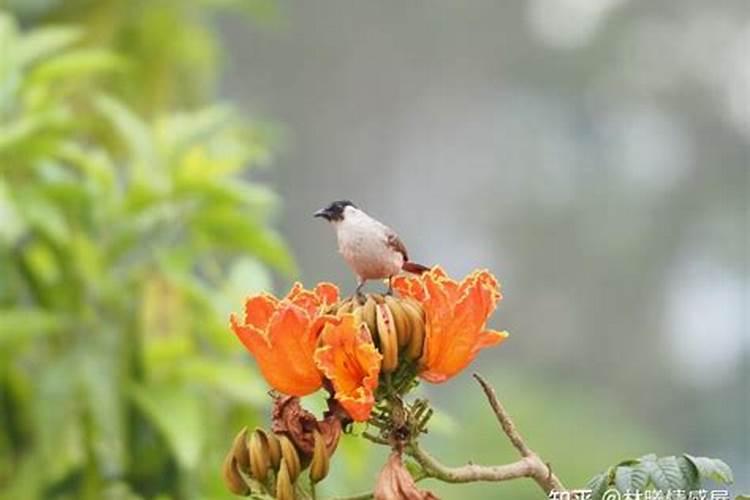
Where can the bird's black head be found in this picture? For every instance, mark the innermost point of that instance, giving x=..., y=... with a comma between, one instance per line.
x=335, y=211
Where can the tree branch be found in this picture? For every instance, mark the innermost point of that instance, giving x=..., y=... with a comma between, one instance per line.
x=543, y=476
x=361, y=496
x=509, y=428
x=531, y=466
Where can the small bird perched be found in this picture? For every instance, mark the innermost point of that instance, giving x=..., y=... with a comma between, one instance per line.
x=372, y=249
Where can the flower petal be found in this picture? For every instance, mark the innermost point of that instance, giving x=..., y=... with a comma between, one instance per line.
x=349, y=359
x=282, y=337
x=327, y=293
x=396, y=483
x=456, y=315
x=258, y=310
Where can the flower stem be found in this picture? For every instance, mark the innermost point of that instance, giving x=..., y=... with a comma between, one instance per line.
x=530, y=465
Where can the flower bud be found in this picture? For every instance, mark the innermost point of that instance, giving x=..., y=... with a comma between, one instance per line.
x=260, y=461
x=231, y=476
x=274, y=450
x=400, y=320
x=240, y=451
x=388, y=338
x=416, y=317
x=368, y=314
x=290, y=458
x=284, y=483
x=320, y=460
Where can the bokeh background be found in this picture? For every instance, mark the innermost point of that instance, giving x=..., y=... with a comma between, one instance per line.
x=164, y=160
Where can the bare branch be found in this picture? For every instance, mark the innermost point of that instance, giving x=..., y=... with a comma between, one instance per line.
x=375, y=439
x=472, y=472
x=542, y=472
x=532, y=467
x=361, y=496
x=504, y=418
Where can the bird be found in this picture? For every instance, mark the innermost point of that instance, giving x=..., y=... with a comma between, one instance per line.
x=372, y=249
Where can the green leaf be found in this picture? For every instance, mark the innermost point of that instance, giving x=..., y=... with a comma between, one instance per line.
x=712, y=468
x=598, y=485
x=22, y=135
x=77, y=63
x=672, y=472
x=661, y=473
x=689, y=473
x=44, y=42
x=12, y=226
x=95, y=165
x=184, y=130
x=58, y=428
x=238, y=382
x=657, y=476
x=102, y=395
x=228, y=228
x=177, y=415
x=246, y=276
x=137, y=137
x=630, y=478
x=258, y=199
x=24, y=324
x=42, y=214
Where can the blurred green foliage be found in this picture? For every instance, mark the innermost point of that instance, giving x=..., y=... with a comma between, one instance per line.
x=127, y=231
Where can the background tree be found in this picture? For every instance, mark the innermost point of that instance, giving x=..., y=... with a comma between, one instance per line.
x=127, y=227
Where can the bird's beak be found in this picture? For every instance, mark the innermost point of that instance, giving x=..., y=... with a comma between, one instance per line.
x=324, y=213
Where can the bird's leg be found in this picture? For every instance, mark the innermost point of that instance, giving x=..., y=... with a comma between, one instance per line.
x=390, y=286
x=358, y=290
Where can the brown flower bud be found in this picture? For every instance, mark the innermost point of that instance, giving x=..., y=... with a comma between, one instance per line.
x=240, y=451
x=284, y=483
x=416, y=317
x=388, y=337
x=289, y=458
x=320, y=460
x=260, y=461
x=231, y=476
x=274, y=450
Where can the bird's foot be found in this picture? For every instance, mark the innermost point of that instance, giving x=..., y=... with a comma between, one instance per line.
x=358, y=294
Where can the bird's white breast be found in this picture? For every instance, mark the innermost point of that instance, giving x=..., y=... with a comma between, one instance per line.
x=363, y=242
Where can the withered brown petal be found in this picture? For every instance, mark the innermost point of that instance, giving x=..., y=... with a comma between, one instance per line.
x=289, y=418
x=395, y=482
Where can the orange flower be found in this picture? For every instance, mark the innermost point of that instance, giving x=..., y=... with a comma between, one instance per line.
x=349, y=359
x=282, y=335
x=456, y=315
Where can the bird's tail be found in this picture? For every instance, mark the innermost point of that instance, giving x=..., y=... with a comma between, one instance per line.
x=413, y=267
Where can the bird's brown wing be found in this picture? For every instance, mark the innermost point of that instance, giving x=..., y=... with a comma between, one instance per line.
x=396, y=244
x=410, y=267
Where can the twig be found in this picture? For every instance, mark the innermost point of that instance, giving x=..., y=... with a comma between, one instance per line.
x=509, y=428
x=530, y=465
x=541, y=472
x=375, y=439
x=526, y=467
x=361, y=496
